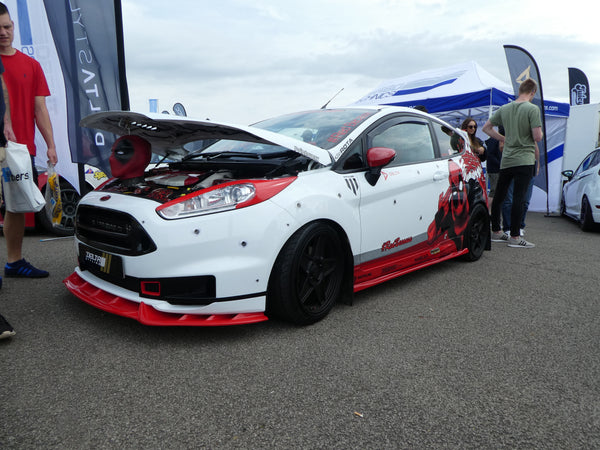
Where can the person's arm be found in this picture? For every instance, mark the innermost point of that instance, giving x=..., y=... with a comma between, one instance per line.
x=42, y=120
x=8, y=129
x=488, y=129
x=537, y=160
x=537, y=134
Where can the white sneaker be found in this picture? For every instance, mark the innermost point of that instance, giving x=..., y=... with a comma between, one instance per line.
x=522, y=232
x=519, y=243
x=499, y=236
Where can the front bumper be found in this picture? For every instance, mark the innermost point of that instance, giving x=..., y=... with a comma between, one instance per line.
x=150, y=314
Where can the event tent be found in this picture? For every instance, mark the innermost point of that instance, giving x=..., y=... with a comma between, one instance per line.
x=467, y=90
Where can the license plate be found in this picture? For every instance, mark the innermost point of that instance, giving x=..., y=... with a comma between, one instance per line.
x=105, y=265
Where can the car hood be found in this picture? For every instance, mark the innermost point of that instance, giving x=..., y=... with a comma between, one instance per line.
x=167, y=134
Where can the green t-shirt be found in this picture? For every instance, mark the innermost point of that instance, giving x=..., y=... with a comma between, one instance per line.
x=518, y=118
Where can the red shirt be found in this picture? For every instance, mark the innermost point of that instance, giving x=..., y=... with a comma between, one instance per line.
x=25, y=80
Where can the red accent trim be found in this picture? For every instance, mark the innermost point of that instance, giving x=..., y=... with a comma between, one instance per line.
x=150, y=288
x=392, y=266
x=146, y=314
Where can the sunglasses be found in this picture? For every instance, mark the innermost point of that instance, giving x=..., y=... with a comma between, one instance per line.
x=472, y=127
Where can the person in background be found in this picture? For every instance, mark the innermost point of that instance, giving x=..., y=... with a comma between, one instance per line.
x=522, y=122
x=507, y=205
x=470, y=126
x=27, y=90
x=6, y=330
x=492, y=165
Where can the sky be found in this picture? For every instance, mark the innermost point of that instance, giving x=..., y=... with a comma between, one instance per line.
x=243, y=61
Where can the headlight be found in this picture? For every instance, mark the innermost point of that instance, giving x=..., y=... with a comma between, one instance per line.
x=216, y=200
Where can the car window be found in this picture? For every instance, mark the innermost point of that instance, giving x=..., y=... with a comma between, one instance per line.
x=353, y=158
x=324, y=128
x=449, y=142
x=411, y=140
x=585, y=164
x=595, y=159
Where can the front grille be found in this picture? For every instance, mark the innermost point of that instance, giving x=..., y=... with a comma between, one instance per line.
x=112, y=231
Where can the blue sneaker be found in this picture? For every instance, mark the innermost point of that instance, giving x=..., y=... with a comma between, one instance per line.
x=23, y=269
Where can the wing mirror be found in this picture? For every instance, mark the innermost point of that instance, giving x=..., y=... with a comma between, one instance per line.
x=377, y=158
x=568, y=174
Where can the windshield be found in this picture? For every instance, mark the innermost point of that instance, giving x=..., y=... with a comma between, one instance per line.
x=324, y=128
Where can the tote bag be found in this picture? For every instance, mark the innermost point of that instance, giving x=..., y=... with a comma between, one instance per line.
x=21, y=194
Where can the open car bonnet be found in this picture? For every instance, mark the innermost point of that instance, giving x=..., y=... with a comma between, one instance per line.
x=168, y=134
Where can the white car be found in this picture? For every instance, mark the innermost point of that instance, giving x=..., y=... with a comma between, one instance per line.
x=581, y=193
x=280, y=219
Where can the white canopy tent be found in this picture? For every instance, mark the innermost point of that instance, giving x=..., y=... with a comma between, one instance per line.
x=467, y=90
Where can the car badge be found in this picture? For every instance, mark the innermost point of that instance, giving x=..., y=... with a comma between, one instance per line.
x=104, y=198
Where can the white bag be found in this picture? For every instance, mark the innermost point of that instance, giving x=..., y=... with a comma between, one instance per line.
x=21, y=194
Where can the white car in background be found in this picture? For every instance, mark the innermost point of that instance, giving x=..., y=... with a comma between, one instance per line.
x=581, y=192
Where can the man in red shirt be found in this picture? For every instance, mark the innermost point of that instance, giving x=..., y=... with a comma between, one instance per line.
x=27, y=91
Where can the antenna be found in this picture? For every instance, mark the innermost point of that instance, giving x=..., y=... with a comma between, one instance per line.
x=325, y=105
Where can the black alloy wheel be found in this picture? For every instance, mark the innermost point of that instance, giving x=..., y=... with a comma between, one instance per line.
x=306, y=280
x=477, y=232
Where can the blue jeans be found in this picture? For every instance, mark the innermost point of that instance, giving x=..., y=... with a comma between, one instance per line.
x=507, y=205
x=521, y=176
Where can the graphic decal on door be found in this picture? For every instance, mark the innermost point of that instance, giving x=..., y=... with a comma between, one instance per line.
x=452, y=216
x=352, y=184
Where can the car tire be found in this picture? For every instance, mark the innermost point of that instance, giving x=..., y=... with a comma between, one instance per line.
x=586, y=221
x=306, y=280
x=69, y=198
x=477, y=233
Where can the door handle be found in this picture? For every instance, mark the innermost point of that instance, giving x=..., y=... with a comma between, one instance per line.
x=439, y=176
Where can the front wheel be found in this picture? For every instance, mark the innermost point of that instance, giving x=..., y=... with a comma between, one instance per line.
x=477, y=233
x=307, y=277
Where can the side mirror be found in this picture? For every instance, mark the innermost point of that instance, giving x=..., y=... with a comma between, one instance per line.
x=568, y=174
x=377, y=158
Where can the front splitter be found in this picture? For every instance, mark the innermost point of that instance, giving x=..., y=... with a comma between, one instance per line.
x=148, y=315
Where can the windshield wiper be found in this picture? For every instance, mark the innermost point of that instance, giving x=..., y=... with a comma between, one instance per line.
x=216, y=155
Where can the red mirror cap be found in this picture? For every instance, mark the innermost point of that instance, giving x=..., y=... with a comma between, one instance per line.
x=380, y=156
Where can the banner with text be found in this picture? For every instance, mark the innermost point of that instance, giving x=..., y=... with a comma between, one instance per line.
x=579, y=88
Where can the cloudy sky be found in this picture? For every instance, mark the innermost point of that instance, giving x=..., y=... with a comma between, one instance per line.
x=242, y=61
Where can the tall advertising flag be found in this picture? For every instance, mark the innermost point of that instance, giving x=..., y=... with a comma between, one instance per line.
x=579, y=88
x=522, y=66
x=89, y=41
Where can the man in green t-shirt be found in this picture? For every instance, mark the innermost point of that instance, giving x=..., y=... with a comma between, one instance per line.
x=522, y=124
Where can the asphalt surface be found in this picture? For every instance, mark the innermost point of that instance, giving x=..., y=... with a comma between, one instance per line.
x=500, y=353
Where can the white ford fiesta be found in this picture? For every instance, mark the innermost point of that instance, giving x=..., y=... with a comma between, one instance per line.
x=280, y=219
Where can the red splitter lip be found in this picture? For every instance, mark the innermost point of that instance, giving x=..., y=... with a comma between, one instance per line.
x=146, y=314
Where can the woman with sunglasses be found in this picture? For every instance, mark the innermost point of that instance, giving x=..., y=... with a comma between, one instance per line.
x=470, y=126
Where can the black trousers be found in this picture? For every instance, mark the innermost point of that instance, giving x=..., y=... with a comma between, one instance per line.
x=521, y=176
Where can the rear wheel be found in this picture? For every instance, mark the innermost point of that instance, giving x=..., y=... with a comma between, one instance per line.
x=477, y=233
x=586, y=221
x=306, y=280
